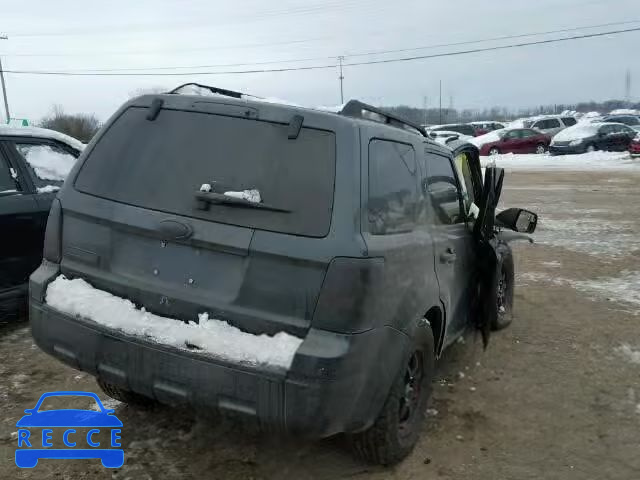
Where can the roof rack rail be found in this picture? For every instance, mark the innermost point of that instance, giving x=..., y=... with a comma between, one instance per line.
x=216, y=90
x=358, y=109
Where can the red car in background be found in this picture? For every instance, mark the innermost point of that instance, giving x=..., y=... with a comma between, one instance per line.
x=512, y=140
x=634, y=146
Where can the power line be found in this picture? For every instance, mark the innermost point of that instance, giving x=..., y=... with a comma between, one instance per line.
x=333, y=65
x=300, y=41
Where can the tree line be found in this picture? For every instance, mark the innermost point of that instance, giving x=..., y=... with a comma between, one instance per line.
x=434, y=116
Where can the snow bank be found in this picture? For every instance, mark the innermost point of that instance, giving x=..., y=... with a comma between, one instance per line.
x=76, y=297
x=590, y=161
x=622, y=289
x=48, y=163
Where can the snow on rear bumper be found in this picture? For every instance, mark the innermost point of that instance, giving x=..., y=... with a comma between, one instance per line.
x=337, y=383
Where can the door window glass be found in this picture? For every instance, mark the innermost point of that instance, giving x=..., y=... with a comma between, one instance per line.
x=8, y=184
x=569, y=121
x=466, y=180
x=393, y=191
x=442, y=186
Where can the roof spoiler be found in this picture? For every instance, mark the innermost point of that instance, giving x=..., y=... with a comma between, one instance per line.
x=216, y=90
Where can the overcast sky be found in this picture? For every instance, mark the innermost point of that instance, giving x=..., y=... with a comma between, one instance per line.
x=56, y=35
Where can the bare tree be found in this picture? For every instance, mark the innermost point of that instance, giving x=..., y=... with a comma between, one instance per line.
x=82, y=126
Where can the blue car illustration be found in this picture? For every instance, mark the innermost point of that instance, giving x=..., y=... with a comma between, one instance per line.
x=32, y=448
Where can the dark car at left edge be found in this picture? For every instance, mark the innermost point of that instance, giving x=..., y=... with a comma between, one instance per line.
x=33, y=165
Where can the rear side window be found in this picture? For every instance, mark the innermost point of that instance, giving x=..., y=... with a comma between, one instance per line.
x=393, y=191
x=49, y=163
x=162, y=164
x=7, y=183
x=442, y=186
x=545, y=124
x=569, y=121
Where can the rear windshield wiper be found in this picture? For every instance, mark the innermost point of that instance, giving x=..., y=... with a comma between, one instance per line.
x=205, y=199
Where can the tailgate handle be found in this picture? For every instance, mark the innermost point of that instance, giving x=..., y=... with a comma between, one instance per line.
x=172, y=229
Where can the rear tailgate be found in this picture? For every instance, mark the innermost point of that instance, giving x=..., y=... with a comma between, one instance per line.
x=132, y=225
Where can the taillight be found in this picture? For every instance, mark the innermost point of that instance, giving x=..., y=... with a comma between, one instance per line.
x=53, y=234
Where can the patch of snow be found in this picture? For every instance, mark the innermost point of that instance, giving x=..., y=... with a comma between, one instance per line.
x=215, y=337
x=625, y=111
x=252, y=195
x=48, y=163
x=48, y=189
x=35, y=132
x=431, y=412
x=552, y=264
x=631, y=354
x=591, y=161
x=593, y=236
x=9, y=191
x=577, y=132
x=109, y=403
x=622, y=289
x=331, y=109
x=205, y=187
x=490, y=137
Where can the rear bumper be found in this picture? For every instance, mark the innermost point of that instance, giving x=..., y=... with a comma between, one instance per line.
x=337, y=383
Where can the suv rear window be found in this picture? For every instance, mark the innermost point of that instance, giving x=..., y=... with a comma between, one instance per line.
x=569, y=121
x=161, y=164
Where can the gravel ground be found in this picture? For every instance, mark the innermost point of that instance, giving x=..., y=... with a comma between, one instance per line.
x=556, y=396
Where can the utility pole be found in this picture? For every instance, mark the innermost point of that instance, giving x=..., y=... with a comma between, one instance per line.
x=341, y=77
x=627, y=87
x=4, y=87
x=425, y=102
x=440, y=108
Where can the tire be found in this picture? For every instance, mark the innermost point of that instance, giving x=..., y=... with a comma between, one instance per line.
x=494, y=151
x=590, y=148
x=541, y=148
x=396, y=430
x=504, y=293
x=126, y=396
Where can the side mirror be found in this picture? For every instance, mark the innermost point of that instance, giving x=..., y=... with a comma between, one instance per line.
x=518, y=220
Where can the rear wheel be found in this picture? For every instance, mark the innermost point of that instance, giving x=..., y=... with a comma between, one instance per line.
x=396, y=430
x=541, y=148
x=504, y=294
x=494, y=151
x=125, y=396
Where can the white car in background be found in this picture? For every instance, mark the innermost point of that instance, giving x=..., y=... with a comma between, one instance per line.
x=550, y=124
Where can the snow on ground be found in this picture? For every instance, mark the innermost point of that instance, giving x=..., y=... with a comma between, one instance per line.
x=109, y=403
x=76, y=297
x=631, y=354
x=584, y=162
x=624, y=289
x=48, y=163
x=588, y=234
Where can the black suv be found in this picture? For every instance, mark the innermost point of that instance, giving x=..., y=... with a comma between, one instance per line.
x=33, y=164
x=301, y=267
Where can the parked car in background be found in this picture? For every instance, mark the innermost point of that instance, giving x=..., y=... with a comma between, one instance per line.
x=588, y=137
x=440, y=135
x=33, y=165
x=634, y=146
x=512, y=140
x=629, y=120
x=483, y=128
x=551, y=124
x=463, y=128
x=311, y=331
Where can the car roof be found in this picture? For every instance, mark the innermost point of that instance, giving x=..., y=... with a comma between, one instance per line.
x=36, y=132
